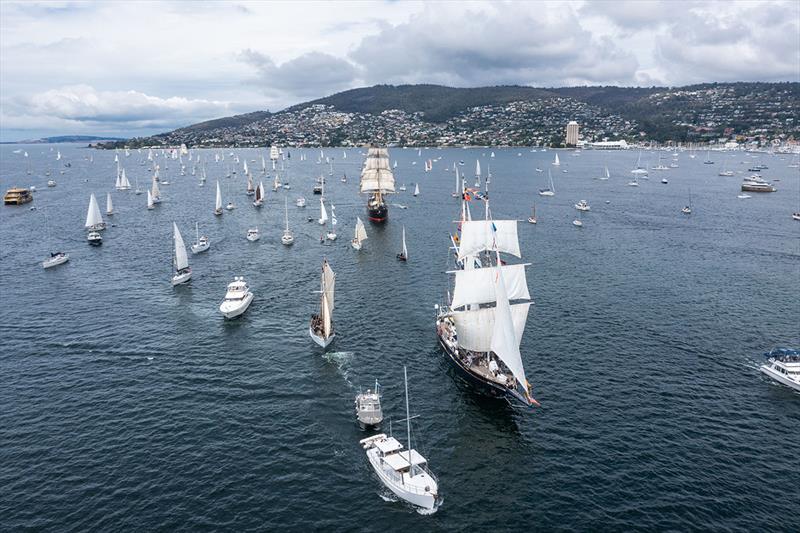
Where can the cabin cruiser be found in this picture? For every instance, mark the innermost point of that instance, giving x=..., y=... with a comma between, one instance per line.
x=783, y=366
x=686, y=210
x=253, y=235
x=94, y=238
x=55, y=259
x=237, y=298
x=756, y=183
x=582, y=206
x=368, y=407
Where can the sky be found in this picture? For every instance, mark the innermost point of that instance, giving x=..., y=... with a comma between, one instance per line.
x=137, y=68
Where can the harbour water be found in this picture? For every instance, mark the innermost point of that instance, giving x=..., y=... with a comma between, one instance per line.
x=127, y=404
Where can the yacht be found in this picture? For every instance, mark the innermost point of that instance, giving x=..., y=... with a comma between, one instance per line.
x=230, y=206
x=253, y=235
x=582, y=206
x=301, y=202
x=796, y=216
x=756, y=183
x=94, y=238
x=237, y=298
x=51, y=183
x=17, y=196
x=202, y=243
x=664, y=181
x=368, y=407
x=55, y=259
x=783, y=366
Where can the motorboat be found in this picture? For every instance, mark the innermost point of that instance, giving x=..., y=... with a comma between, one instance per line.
x=756, y=183
x=532, y=219
x=301, y=202
x=51, y=183
x=664, y=181
x=230, y=206
x=237, y=298
x=743, y=196
x=368, y=407
x=686, y=210
x=253, y=234
x=55, y=259
x=796, y=216
x=783, y=366
x=582, y=206
x=94, y=238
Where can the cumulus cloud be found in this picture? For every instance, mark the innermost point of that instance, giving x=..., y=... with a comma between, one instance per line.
x=311, y=74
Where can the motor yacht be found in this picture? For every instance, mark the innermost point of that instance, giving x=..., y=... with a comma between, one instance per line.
x=237, y=298
x=756, y=183
x=783, y=366
x=582, y=206
x=368, y=407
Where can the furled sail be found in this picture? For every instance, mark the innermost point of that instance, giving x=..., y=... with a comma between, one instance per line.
x=480, y=235
x=477, y=286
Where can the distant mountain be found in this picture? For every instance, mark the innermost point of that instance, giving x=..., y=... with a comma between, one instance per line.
x=66, y=139
x=508, y=115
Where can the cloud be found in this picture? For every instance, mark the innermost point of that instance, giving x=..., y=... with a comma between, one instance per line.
x=311, y=74
x=492, y=44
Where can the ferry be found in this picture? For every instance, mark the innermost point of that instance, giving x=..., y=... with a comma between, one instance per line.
x=17, y=196
x=783, y=366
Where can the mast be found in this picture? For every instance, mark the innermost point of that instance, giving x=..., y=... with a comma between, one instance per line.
x=408, y=423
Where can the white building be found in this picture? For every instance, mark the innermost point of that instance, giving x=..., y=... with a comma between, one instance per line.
x=572, y=133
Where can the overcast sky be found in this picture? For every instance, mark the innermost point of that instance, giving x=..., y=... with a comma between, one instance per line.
x=134, y=68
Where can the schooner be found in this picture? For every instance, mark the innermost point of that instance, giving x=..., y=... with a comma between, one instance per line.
x=376, y=180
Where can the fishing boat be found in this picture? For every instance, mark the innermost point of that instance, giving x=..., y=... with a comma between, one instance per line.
x=201, y=244
x=404, y=472
x=783, y=366
x=94, y=220
x=551, y=190
x=180, y=260
x=287, y=238
x=55, y=258
x=253, y=234
x=376, y=181
x=259, y=195
x=360, y=235
x=321, y=327
x=583, y=205
x=109, y=205
x=218, y=201
x=237, y=298
x=368, y=407
x=482, y=341
x=416, y=189
x=403, y=255
x=532, y=219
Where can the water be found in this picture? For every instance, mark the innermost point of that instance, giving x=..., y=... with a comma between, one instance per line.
x=129, y=405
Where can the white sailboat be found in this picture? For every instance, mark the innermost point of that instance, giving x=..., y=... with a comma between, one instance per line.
x=179, y=258
x=556, y=162
x=404, y=472
x=56, y=258
x=457, y=192
x=360, y=235
x=606, y=174
x=403, y=255
x=218, y=201
x=323, y=213
x=201, y=244
x=250, y=188
x=94, y=220
x=150, y=204
x=287, y=238
x=138, y=190
x=477, y=173
x=416, y=189
x=549, y=191
x=321, y=327
x=109, y=205
x=124, y=183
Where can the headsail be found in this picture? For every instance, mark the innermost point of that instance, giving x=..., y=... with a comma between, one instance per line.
x=93, y=216
x=180, y=258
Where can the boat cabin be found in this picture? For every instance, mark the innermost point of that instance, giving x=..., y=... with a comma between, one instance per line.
x=17, y=196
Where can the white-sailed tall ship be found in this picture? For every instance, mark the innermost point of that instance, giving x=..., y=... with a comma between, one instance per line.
x=404, y=472
x=376, y=180
x=321, y=327
x=180, y=260
x=480, y=330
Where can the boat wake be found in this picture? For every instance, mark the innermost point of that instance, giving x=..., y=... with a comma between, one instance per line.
x=342, y=362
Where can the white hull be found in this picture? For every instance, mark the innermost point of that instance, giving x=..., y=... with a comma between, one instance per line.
x=198, y=248
x=234, y=309
x=780, y=378
x=287, y=240
x=426, y=501
x=546, y=193
x=55, y=261
x=319, y=340
x=355, y=245
x=177, y=279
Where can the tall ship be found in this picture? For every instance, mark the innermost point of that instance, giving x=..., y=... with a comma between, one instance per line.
x=480, y=329
x=376, y=181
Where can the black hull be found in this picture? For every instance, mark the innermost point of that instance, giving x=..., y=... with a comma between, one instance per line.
x=478, y=383
x=378, y=214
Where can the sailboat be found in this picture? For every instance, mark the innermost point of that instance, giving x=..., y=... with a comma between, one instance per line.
x=532, y=219
x=287, y=238
x=138, y=190
x=150, y=204
x=556, y=162
x=687, y=209
x=404, y=472
x=202, y=243
x=94, y=222
x=477, y=174
x=360, y=235
x=250, y=188
x=259, y=200
x=376, y=180
x=109, y=205
x=482, y=342
x=218, y=202
x=606, y=175
x=416, y=189
x=403, y=255
x=578, y=222
x=56, y=258
x=725, y=172
x=323, y=213
x=179, y=258
x=155, y=192
x=550, y=191
x=708, y=160
x=661, y=165
x=638, y=171
x=321, y=327
x=457, y=192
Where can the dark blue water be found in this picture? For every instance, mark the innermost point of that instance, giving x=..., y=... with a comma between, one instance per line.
x=127, y=404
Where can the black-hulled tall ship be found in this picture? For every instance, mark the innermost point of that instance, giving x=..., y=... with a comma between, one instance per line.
x=377, y=180
x=481, y=330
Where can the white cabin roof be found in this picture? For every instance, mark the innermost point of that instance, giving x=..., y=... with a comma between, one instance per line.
x=399, y=461
x=388, y=445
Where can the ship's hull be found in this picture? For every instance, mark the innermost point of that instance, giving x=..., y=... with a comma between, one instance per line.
x=479, y=383
x=378, y=213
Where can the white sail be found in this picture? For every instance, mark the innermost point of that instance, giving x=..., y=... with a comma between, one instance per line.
x=405, y=250
x=93, y=216
x=505, y=340
x=333, y=215
x=328, y=284
x=181, y=259
x=218, y=202
x=458, y=182
x=58, y=155
x=246, y=171
x=416, y=189
x=608, y=174
x=118, y=182
x=149, y=199
x=249, y=183
x=475, y=328
x=124, y=180
x=477, y=167
x=155, y=190
x=361, y=232
x=323, y=213
x=556, y=162
x=376, y=174
x=109, y=204
x=480, y=235
x=477, y=286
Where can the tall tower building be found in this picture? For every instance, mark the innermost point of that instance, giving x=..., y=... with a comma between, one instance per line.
x=572, y=133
